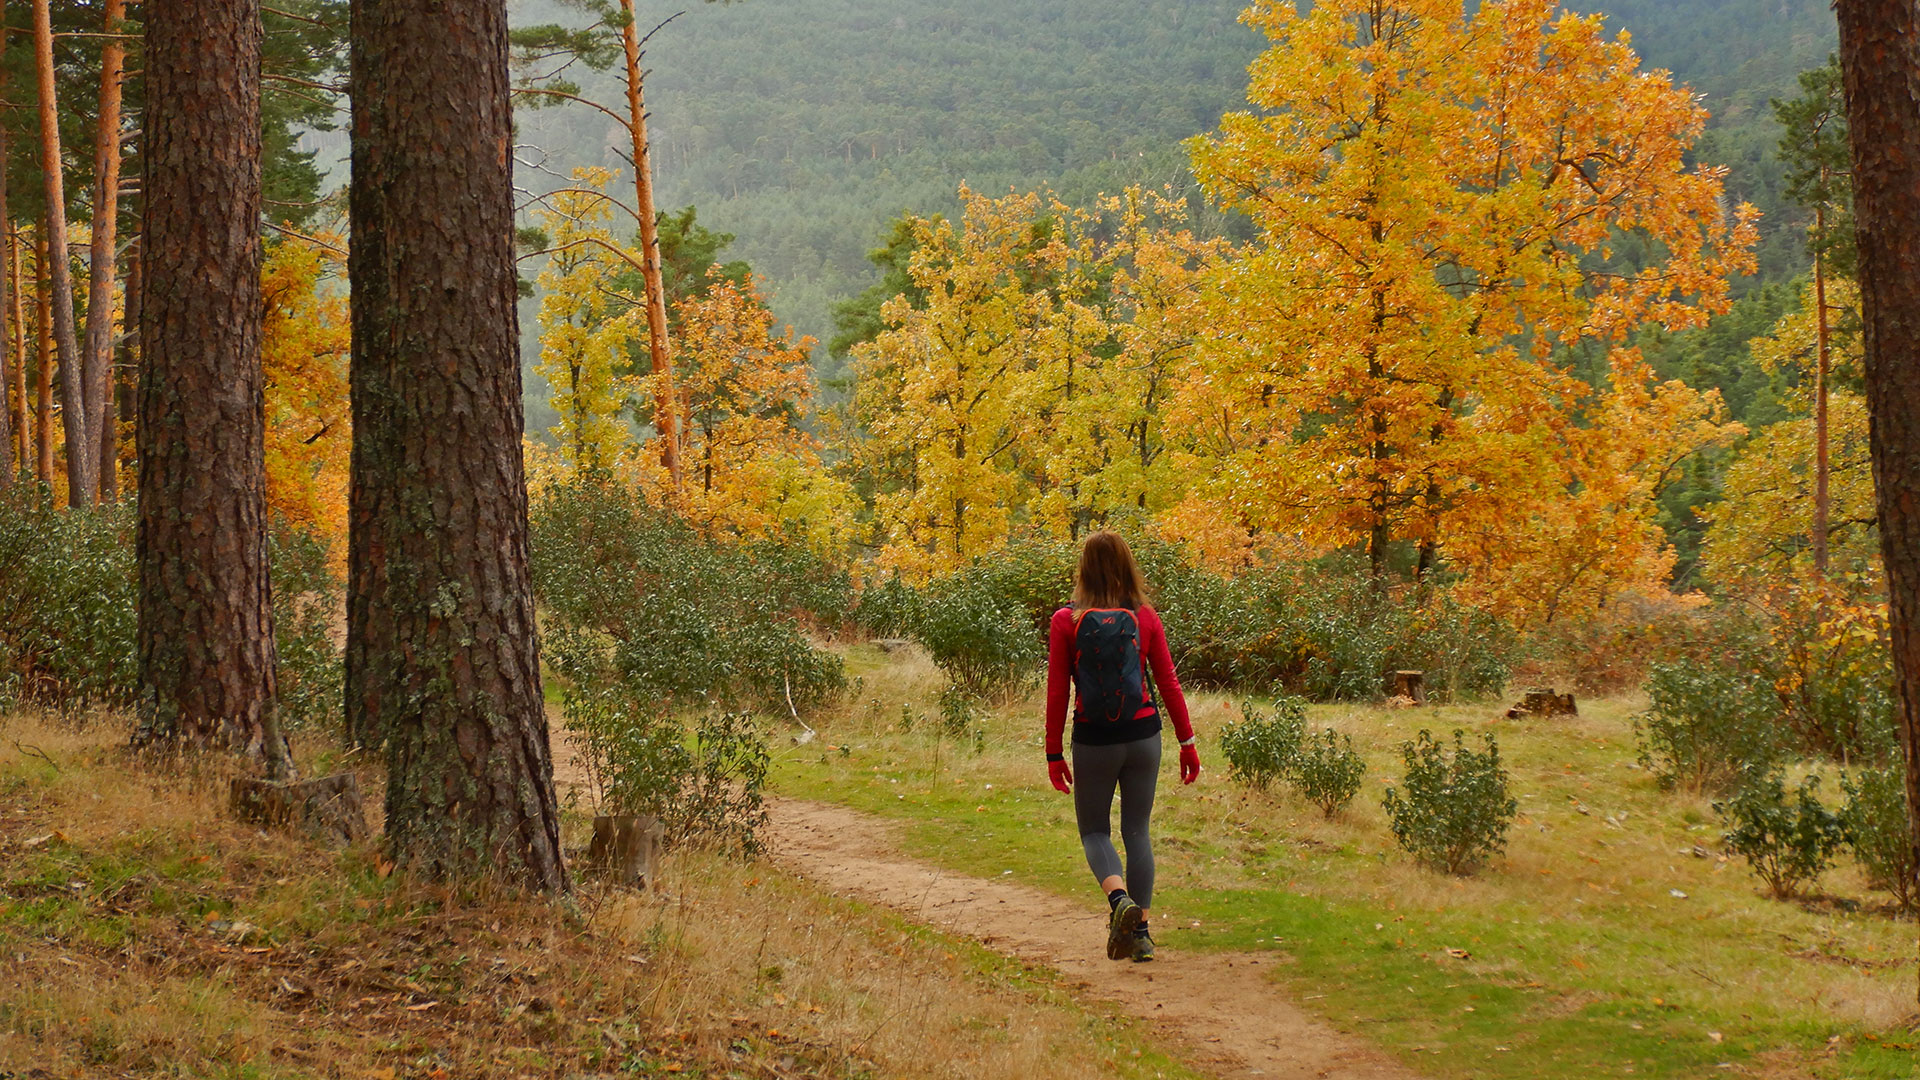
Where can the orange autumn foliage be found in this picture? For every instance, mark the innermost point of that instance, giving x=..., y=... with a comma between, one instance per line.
x=304, y=352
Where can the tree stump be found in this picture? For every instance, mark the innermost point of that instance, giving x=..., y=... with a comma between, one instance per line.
x=627, y=845
x=329, y=809
x=1410, y=685
x=1543, y=703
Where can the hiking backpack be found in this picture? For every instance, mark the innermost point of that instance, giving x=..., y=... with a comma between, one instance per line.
x=1108, y=675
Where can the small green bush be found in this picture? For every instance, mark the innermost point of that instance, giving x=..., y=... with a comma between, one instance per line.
x=1708, y=721
x=708, y=791
x=1327, y=770
x=306, y=600
x=1260, y=747
x=632, y=593
x=67, y=615
x=1451, y=811
x=983, y=640
x=888, y=609
x=1787, y=844
x=1875, y=820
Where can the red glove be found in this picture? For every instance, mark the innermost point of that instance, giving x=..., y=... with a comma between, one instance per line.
x=1189, y=764
x=1061, y=776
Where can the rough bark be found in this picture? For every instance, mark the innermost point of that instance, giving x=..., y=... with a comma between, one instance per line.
x=1880, y=60
x=207, y=661
x=14, y=344
x=17, y=346
x=666, y=409
x=13, y=416
x=82, y=443
x=43, y=360
x=100, y=268
x=443, y=661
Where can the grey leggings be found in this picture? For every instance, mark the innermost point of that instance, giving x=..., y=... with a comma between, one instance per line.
x=1133, y=767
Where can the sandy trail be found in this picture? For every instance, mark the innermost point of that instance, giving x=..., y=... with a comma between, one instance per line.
x=1221, y=1009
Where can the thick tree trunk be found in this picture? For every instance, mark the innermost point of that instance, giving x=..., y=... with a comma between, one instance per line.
x=665, y=409
x=82, y=443
x=1880, y=59
x=13, y=412
x=106, y=222
x=443, y=661
x=207, y=662
x=43, y=359
x=15, y=344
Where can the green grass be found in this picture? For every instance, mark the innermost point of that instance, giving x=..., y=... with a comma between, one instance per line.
x=1580, y=961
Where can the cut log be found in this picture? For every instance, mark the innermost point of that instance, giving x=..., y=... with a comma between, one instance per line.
x=628, y=846
x=891, y=644
x=329, y=809
x=1410, y=685
x=1543, y=703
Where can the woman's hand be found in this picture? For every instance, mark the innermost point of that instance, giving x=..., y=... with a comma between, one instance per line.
x=1061, y=776
x=1189, y=763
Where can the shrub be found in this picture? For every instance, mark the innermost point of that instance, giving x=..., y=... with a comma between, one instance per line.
x=1788, y=845
x=890, y=609
x=306, y=601
x=1707, y=722
x=1260, y=747
x=1327, y=771
x=959, y=711
x=983, y=640
x=634, y=594
x=1451, y=811
x=67, y=615
x=708, y=792
x=1875, y=821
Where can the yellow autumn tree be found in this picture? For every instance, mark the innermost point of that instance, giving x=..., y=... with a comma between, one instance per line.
x=587, y=324
x=1453, y=206
x=303, y=353
x=1026, y=387
x=749, y=468
x=1760, y=529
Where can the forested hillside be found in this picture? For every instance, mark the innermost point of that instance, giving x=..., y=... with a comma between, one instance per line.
x=803, y=126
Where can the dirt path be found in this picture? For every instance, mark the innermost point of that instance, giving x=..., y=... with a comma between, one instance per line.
x=1222, y=1007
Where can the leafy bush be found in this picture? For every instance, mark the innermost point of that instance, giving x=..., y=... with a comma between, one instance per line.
x=1707, y=722
x=1327, y=771
x=67, y=615
x=1260, y=747
x=890, y=609
x=708, y=792
x=1451, y=811
x=306, y=600
x=985, y=641
x=1875, y=820
x=635, y=595
x=1788, y=845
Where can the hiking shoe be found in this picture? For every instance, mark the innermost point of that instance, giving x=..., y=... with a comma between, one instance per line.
x=1120, y=927
x=1142, y=947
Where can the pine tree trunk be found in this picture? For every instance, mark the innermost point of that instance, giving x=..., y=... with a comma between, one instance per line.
x=443, y=661
x=106, y=221
x=1880, y=59
x=16, y=345
x=665, y=408
x=207, y=662
x=13, y=412
x=43, y=357
x=82, y=443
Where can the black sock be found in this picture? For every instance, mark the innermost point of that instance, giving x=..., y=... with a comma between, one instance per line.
x=1141, y=930
x=1113, y=898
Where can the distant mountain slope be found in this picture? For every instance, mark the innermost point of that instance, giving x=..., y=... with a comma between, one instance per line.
x=802, y=126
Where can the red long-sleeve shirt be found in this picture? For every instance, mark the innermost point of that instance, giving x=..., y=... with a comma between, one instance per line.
x=1153, y=646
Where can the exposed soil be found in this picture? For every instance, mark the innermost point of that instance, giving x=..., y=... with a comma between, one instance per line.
x=1224, y=1009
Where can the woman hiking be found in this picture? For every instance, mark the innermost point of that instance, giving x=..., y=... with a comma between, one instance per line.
x=1104, y=646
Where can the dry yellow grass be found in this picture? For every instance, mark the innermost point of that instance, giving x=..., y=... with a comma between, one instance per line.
x=125, y=932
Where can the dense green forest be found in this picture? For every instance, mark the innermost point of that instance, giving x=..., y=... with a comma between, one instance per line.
x=803, y=126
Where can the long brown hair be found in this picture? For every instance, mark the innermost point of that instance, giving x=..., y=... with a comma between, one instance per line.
x=1108, y=577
